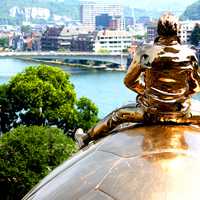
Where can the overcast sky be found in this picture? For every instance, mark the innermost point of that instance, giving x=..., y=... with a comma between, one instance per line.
x=153, y=4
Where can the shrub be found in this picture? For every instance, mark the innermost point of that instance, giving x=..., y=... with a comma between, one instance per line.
x=27, y=154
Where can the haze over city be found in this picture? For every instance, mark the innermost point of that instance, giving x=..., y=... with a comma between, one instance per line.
x=153, y=4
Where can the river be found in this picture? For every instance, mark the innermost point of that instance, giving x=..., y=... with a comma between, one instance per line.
x=104, y=88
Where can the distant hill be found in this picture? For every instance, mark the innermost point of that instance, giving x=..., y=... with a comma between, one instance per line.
x=59, y=7
x=192, y=12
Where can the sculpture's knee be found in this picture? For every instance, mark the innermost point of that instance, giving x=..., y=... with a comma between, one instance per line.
x=124, y=115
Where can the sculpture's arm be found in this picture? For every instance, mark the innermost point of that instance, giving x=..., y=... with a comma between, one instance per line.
x=133, y=78
x=196, y=75
x=194, y=80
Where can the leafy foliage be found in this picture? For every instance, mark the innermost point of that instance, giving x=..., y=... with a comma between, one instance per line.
x=25, y=29
x=43, y=95
x=103, y=51
x=27, y=154
x=4, y=42
x=6, y=114
x=87, y=113
x=195, y=36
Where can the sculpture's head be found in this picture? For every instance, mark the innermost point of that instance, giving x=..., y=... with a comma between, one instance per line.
x=168, y=25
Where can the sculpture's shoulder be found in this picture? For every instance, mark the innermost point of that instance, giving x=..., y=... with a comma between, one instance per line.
x=175, y=53
x=187, y=53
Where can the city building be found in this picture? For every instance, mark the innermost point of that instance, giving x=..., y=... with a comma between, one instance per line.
x=113, y=41
x=17, y=43
x=117, y=23
x=36, y=41
x=71, y=34
x=138, y=29
x=83, y=42
x=71, y=38
x=151, y=32
x=50, y=39
x=144, y=20
x=89, y=11
x=66, y=36
x=102, y=21
x=129, y=21
x=186, y=28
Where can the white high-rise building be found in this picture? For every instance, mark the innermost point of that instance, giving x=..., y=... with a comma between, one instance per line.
x=89, y=11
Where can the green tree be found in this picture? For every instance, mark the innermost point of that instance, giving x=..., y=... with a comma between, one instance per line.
x=103, y=51
x=195, y=35
x=26, y=29
x=139, y=37
x=41, y=95
x=6, y=114
x=87, y=113
x=4, y=42
x=27, y=154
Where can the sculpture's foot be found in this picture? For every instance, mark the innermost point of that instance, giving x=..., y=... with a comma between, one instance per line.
x=81, y=138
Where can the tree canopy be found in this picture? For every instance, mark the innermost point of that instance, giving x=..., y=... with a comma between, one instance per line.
x=44, y=95
x=27, y=154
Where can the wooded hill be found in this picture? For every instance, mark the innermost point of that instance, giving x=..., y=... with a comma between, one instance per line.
x=65, y=7
x=192, y=12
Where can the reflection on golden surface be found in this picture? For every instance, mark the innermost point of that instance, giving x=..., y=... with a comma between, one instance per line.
x=170, y=163
x=166, y=137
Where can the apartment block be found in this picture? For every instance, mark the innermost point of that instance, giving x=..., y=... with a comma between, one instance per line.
x=114, y=41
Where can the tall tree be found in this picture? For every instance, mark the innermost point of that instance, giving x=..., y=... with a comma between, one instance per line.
x=195, y=36
x=4, y=42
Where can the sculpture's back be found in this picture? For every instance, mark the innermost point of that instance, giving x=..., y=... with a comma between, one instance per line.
x=139, y=162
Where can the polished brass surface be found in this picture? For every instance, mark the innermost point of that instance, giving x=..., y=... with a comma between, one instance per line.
x=137, y=163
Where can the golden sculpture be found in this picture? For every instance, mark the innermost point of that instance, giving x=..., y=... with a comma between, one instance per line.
x=164, y=75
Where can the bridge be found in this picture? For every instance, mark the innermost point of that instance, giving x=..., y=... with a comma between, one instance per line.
x=120, y=59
